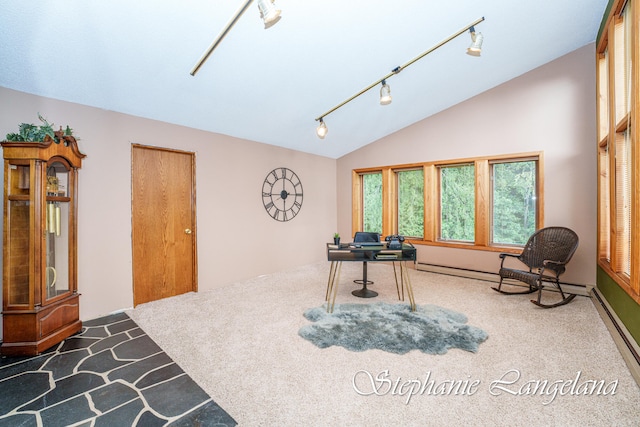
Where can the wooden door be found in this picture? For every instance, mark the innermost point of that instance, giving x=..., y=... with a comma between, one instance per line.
x=163, y=223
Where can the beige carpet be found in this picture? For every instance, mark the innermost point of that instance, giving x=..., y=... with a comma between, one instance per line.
x=241, y=344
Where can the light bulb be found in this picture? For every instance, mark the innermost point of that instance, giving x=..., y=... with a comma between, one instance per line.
x=476, y=44
x=385, y=94
x=322, y=130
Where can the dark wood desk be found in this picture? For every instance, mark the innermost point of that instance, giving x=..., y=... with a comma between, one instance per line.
x=365, y=254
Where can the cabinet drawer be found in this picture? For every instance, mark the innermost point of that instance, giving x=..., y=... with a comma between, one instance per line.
x=58, y=316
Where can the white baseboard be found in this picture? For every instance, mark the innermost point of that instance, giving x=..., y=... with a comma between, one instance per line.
x=627, y=346
x=572, y=288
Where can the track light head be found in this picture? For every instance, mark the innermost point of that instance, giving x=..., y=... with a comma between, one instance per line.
x=385, y=94
x=321, y=130
x=268, y=12
x=476, y=43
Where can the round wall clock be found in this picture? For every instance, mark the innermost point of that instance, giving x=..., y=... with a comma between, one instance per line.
x=282, y=194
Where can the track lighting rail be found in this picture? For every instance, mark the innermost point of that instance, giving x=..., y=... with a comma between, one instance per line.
x=396, y=70
x=268, y=12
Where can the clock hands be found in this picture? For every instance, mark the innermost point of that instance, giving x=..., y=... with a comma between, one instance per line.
x=283, y=194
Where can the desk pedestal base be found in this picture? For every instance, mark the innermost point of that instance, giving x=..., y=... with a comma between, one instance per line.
x=364, y=293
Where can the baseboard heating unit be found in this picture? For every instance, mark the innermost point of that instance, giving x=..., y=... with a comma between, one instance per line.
x=582, y=290
x=624, y=341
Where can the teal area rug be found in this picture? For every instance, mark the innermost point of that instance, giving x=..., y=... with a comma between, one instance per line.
x=391, y=327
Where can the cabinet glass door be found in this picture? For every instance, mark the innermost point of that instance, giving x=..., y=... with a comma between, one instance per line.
x=18, y=233
x=57, y=231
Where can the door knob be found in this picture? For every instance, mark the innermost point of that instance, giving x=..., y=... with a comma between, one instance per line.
x=187, y=231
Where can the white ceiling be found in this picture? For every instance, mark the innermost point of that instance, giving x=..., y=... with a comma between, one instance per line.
x=135, y=57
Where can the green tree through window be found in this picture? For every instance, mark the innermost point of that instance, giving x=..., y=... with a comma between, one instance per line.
x=457, y=203
x=411, y=203
x=514, y=202
x=372, y=202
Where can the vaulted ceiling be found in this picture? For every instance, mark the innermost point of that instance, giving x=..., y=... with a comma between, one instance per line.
x=269, y=85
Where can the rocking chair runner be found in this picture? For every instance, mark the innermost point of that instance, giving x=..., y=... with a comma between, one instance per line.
x=546, y=254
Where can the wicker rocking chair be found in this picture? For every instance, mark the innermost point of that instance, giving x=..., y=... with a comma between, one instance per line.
x=546, y=254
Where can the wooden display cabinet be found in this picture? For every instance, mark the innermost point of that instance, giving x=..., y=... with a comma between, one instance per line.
x=40, y=305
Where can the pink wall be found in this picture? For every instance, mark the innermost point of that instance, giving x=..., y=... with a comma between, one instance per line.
x=550, y=109
x=236, y=237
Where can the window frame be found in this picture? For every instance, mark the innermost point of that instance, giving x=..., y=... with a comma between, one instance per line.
x=361, y=201
x=618, y=112
x=439, y=169
x=537, y=189
x=483, y=199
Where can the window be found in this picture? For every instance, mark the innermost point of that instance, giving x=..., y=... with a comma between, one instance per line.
x=483, y=203
x=513, y=217
x=603, y=94
x=623, y=202
x=411, y=202
x=372, y=202
x=457, y=203
x=604, y=208
x=618, y=156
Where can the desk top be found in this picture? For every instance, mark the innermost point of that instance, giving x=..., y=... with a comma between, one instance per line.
x=370, y=253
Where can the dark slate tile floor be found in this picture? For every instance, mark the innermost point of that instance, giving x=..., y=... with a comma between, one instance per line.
x=110, y=374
